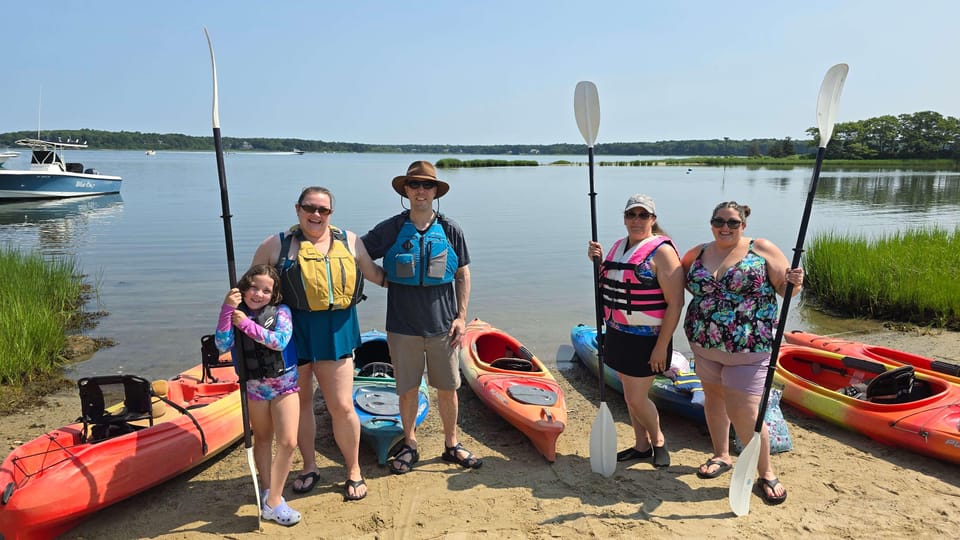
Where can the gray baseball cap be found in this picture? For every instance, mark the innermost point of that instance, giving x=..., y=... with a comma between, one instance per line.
x=643, y=201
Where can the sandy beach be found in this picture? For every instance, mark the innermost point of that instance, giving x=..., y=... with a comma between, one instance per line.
x=840, y=484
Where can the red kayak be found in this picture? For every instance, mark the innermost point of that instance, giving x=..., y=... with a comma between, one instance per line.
x=944, y=370
x=157, y=432
x=890, y=404
x=515, y=384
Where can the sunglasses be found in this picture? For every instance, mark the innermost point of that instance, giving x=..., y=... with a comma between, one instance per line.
x=641, y=215
x=311, y=209
x=425, y=184
x=720, y=222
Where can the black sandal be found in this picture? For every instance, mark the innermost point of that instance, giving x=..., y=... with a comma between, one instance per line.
x=399, y=465
x=452, y=454
x=355, y=485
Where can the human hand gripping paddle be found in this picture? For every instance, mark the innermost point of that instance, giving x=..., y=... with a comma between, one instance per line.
x=603, y=434
x=232, y=272
x=741, y=483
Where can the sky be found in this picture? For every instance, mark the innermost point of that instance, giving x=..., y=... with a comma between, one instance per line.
x=483, y=72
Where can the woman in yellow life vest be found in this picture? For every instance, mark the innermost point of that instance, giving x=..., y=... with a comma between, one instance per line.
x=321, y=273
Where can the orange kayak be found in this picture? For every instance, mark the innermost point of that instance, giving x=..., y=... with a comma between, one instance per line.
x=938, y=368
x=515, y=384
x=52, y=482
x=923, y=418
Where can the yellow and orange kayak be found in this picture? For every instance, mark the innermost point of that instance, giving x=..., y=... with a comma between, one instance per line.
x=945, y=370
x=515, y=384
x=51, y=483
x=925, y=420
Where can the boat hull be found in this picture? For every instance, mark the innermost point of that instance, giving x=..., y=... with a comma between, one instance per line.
x=375, y=399
x=531, y=401
x=52, y=482
x=813, y=380
x=663, y=392
x=32, y=185
x=944, y=370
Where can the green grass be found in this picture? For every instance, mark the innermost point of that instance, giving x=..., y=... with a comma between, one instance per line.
x=911, y=276
x=452, y=163
x=40, y=298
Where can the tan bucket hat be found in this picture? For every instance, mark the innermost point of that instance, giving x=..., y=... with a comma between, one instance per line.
x=420, y=170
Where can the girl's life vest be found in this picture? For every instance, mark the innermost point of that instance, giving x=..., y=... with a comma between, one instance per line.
x=261, y=361
x=421, y=259
x=317, y=282
x=631, y=294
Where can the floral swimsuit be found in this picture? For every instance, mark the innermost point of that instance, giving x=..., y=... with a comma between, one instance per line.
x=735, y=312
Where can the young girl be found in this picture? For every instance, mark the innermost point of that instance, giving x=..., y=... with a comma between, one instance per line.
x=271, y=361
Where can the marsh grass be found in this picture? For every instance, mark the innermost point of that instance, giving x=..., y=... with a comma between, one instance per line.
x=453, y=163
x=909, y=276
x=40, y=299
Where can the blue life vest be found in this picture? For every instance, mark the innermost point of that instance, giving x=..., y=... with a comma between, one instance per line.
x=424, y=259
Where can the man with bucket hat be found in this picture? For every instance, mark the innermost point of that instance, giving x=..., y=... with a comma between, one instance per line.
x=426, y=262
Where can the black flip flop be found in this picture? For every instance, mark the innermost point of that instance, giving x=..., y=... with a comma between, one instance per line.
x=722, y=467
x=353, y=484
x=771, y=485
x=305, y=487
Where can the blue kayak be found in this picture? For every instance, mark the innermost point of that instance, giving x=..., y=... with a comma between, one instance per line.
x=375, y=395
x=665, y=393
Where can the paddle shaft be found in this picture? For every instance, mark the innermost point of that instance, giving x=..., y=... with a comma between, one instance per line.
x=788, y=293
x=598, y=308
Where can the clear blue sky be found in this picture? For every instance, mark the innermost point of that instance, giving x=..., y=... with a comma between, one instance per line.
x=461, y=72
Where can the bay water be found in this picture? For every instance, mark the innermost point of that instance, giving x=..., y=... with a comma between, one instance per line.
x=156, y=253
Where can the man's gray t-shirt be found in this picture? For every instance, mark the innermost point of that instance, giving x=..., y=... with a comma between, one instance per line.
x=414, y=310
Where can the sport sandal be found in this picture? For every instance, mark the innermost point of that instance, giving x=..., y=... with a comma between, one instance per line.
x=452, y=454
x=282, y=514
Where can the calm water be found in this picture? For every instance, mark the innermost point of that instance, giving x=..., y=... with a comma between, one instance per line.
x=157, y=251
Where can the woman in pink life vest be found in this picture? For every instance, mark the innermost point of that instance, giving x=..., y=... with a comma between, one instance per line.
x=641, y=285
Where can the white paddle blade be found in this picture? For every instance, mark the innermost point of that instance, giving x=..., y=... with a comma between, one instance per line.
x=256, y=484
x=586, y=106
x=741, y=483
x=603, y=443
x=213, y=64
x=828, y=102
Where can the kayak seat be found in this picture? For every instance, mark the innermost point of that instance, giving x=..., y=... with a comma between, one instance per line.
x=513, y=364
x=375, y=350
x=898, y=385
x=210, y=356
x=376, y=369
x=101, y=423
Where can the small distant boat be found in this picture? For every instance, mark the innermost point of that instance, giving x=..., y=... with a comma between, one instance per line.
x=49, y=176
x=375, y=396
x=515, y=384
x=298, y=151
x=151, y=152
x=7, y=155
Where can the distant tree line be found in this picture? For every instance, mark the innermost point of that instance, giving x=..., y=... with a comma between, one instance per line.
x=922, y=135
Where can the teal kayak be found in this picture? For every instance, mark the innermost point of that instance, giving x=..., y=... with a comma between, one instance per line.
x=375, y=396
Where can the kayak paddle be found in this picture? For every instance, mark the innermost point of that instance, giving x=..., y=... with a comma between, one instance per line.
x=828, y=101
x=232, y=272
x=603, y=434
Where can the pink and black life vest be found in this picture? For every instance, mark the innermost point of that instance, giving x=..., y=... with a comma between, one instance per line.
x=631, y=294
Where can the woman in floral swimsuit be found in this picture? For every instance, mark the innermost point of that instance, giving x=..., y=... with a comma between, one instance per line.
x=730, y=324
